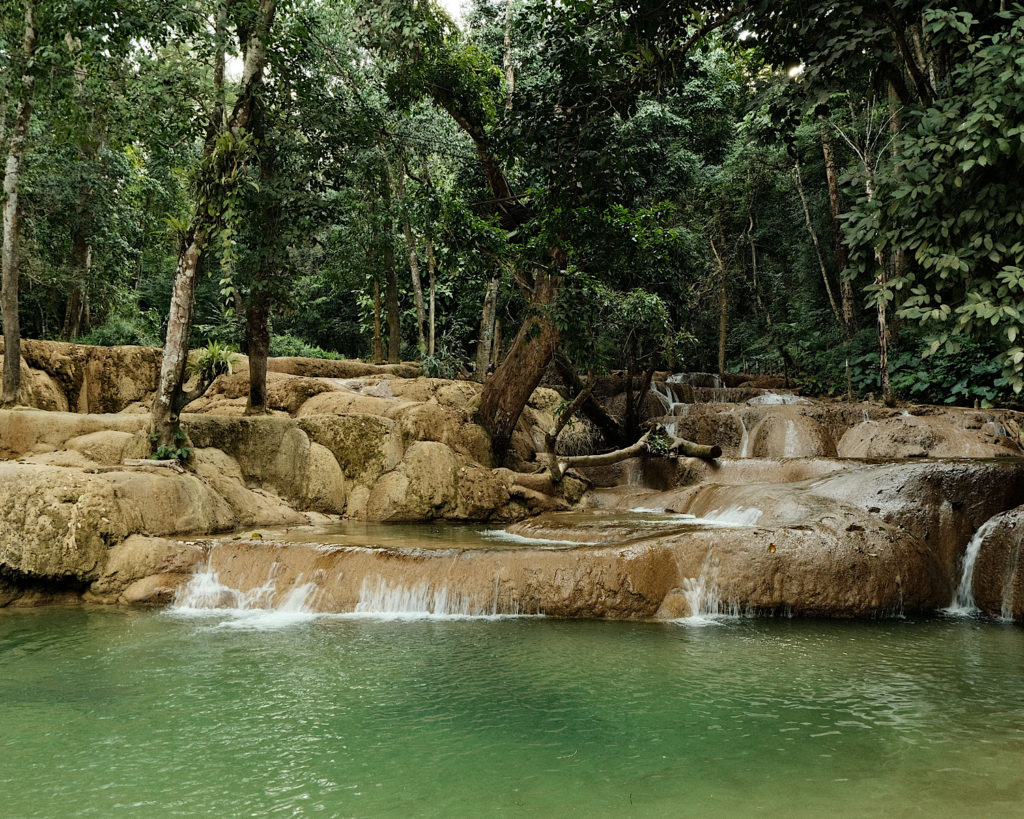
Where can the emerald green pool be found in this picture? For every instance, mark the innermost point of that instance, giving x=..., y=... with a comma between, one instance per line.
x=154, y=714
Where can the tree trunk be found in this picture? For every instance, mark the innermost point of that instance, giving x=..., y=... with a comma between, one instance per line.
x=414, y=267
x=257, y=333
x=432, y=271
x=81, y=258
x=391, y=298
x=170, y=391
x=506, y=61
x=11, y=218
x=846, y=295
x=723, y=310
x=378, y=340
x=817, y=246
x=165, y=410
x=510, y=386
x=486, y=338
x=595, y=412
x=881, y=280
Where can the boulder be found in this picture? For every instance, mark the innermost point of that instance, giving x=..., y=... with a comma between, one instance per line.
x=432, y=482
x=365, y=446
x=271, y=452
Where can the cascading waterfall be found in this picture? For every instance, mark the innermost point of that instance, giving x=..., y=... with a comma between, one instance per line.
x=963, y=600
x=704, y=596
x=790, y=446
x=744, y=439
x=205, y=594
x=379, y=598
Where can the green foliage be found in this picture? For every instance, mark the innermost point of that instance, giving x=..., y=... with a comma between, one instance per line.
x=180, y=452
x=949, y=199
x=658, y=443
x=127, y=325
x=212, y=361
x=445, y=361
x=286, y=345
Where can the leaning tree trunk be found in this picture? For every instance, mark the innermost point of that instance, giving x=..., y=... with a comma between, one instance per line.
x=12, y=174
x=510, y=386
x=169, y=395
x=166, y=402
x=814, y=241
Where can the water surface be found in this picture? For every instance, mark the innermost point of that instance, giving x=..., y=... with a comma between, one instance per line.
x=145, y=713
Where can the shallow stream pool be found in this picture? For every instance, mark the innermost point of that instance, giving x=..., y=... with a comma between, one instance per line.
x=113, y=712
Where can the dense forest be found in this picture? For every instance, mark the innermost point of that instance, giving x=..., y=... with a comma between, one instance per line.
x=830, y=190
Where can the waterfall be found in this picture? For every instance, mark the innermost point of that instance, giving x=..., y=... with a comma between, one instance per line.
x=664, y=394
x=379, y=598
x=963, y=600
x=704, y=596
x=744, y=439
x=790, y=447
x=734, y=515
x=204, y=594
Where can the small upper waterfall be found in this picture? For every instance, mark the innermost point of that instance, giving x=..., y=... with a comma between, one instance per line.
x=744, y=438
x=963, y=600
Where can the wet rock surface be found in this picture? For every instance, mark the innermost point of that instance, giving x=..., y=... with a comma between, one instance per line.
x=796, y=518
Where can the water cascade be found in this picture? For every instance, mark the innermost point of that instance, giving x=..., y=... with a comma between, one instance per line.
x=704, y=596
x=744, y=439
x=963, y=600
x=205, y=594
x=396, y=601
x=789, y=449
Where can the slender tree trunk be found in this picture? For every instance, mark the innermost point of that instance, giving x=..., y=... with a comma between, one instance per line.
x=753, y=272
x=881, y=280
x=417, y=286
x=168, y=399
x=414, y=260
x=378, y=340
x=496, y=344
x=11, y=218
x=846, y=295
x=817, y=246
x=506, y=61
x=510, y=386
x=723, y=310
x=393, y=308
x=165, y=412
x=432, y=272
x=257, y=333
x=485, y=341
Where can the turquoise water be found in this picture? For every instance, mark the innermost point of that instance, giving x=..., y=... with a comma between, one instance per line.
x=153, y=714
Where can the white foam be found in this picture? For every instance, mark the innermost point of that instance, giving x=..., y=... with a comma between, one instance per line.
x=704, y=597
x=775, y=398
x=734, y=515
x=204, y=596
x=381, y=600
x=509, y=537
